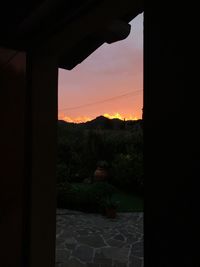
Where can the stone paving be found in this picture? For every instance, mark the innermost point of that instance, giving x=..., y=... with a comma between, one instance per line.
x=91, y=240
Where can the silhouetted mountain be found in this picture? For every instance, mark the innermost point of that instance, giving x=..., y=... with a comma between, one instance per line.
x=104, y=123
x=100, y=122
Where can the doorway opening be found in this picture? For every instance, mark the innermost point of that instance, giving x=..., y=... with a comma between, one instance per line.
x=100, y=157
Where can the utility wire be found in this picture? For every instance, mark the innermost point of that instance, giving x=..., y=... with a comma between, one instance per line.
x=102, y=101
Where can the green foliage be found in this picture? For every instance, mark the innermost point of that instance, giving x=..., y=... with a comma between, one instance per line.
x=84, y=197
x=102, y=164
x=100, y=190
x=109, y=202
x=81, y=150
x=129, y=202
x=62, y=173
x=127, y=172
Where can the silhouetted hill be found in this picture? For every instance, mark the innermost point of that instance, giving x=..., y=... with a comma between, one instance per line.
x=104, y=123
x=100, y=122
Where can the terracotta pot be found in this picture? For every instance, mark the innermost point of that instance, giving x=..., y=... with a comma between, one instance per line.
x=100, y=174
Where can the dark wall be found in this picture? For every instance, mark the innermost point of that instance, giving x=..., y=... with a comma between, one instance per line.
x=171, y=164
x=12, y=110
x=28, y=102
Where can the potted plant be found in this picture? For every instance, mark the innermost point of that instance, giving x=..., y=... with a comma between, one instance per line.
x=101, y=173
x=110, y=207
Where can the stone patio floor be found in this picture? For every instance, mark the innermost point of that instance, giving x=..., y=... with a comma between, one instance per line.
x=91, y=240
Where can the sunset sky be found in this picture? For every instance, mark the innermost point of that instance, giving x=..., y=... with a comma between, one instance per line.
x=109, y=82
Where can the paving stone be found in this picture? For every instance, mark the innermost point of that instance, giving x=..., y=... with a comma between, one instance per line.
x=58, y=229
x=135, y=262
x=119, y=237
x=138, y=245
x=120, y=254
x=70, y=240
x=131, y=239
x=84, y=253
x=107, y=235
x=131, y=229
x=138, y=254
x=83, y=232
x=115, y=243
x=119, y=264
x=137, y=249
x=60, y=243
x=100, y=258
x=70, y=243
x=111, y=240
x=73, y=263
x=67, y=234
x=95, y=241
x=93, y=265
x=123, y=231
x=71, y=246
x=62, y=255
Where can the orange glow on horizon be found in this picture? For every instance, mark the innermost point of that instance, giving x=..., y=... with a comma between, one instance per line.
x=79, y=119
x=82, y=119
x=119, y=116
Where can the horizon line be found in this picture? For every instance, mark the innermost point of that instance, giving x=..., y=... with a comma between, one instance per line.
x=137, y=119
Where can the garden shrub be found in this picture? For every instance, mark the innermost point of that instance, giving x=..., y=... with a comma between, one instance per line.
x=127, y=172
x=62, y=173
x=84, y=197
x=80, y=150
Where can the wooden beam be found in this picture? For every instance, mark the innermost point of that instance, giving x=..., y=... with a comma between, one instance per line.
x=42, y=85
x=12, y=146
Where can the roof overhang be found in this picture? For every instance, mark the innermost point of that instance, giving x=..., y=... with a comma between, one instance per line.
x=71, y=29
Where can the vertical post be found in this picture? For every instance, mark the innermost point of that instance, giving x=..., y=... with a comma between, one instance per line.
x=42, y=85
x=169, y=137
x=12, y=164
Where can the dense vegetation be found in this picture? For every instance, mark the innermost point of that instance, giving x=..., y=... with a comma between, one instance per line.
x=81, y=147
